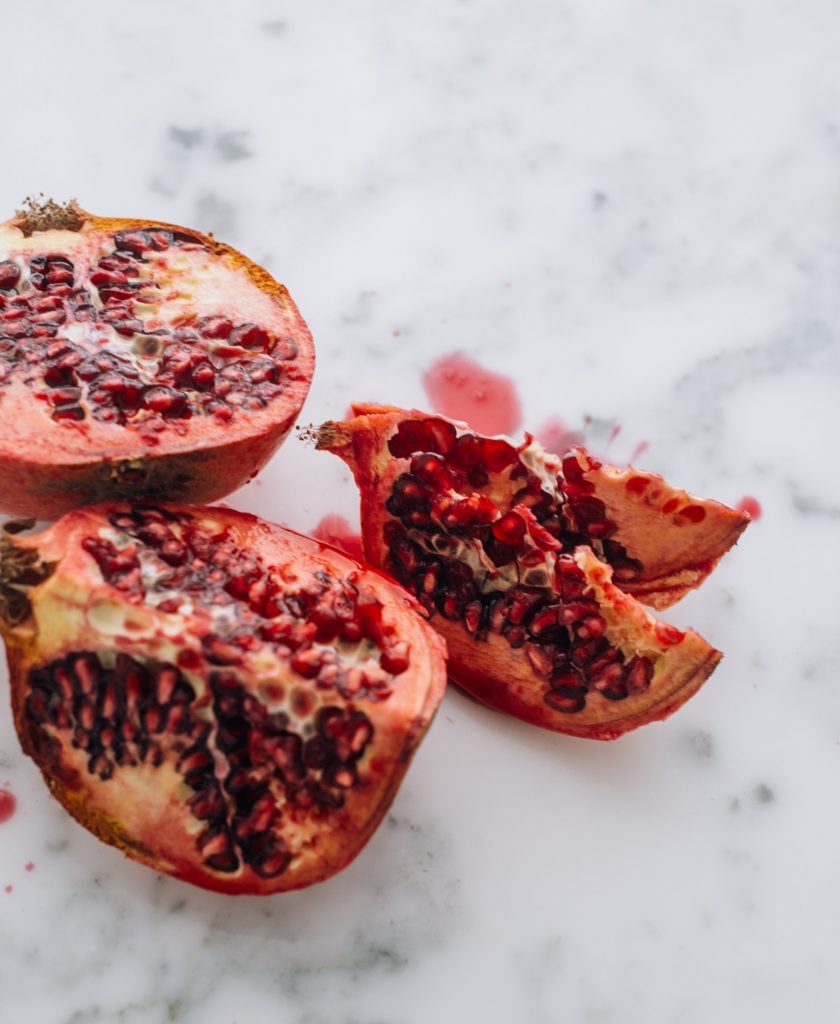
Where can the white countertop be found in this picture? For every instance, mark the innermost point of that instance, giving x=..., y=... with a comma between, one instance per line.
x=631, y=209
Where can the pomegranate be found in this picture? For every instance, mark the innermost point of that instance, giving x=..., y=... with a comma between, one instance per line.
x=530, y=565
x=223, y=700
x=137, y=359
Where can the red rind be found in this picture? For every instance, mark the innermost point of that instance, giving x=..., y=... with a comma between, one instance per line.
x=501, y=678
x=678, y=538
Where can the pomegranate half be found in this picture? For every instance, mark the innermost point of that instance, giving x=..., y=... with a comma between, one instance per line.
x=528, y=565
x=137, y=359
x=223, y=700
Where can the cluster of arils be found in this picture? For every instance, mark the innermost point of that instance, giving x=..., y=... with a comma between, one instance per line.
x=243, y=765
x=98, y=346
x=477, y=535
x=329, y=629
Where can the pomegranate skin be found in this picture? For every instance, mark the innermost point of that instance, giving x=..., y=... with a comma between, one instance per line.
x=37, y=486
x=245, y=733
x=108, y=443
x=532, y=567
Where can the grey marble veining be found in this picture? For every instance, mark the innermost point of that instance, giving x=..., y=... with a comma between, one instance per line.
x=633, y=209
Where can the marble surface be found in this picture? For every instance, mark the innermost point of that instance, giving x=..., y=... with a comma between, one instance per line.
x=633, y=210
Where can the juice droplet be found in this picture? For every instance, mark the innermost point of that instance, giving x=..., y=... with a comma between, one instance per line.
x=749, y=505
x=637, y=452
x=335, y=530
x=7, y=805
x=460, y=388
x=556, y=437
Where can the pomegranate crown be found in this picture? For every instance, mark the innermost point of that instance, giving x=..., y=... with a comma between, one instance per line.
x=19, y=568
x=41, y=214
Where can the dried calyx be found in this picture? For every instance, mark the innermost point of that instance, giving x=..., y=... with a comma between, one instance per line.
x=41, y=214
x=526, y=563
x=20, y=568
x=225, y=701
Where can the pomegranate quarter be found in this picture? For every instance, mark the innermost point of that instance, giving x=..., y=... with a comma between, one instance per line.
x=224, y=700
x=137, y=359
x=532, y=566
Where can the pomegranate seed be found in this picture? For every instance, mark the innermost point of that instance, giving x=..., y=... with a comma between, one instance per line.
x=9, y=275
x=545, y=621
x=472, y=511
x=563, y=700
x=395, y=658
x=611, y=675
x=592, y=627
x=250, y=336
x=203, y=376
x=69, y=412
x=307, y=663
x=510, y=529
x=432, y=469
x=427, y=435
x=521, y=603
x=472, y=617
x=638, y=675
x=107, y=277
x=165, y=400
x=497, y=454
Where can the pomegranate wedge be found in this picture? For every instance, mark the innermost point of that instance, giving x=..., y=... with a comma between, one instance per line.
x=527, y=564
x=223, y=700
x=137, y=359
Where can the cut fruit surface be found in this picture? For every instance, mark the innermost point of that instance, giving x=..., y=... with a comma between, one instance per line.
x=224, y=700
x=138, y=359
x=528, y=564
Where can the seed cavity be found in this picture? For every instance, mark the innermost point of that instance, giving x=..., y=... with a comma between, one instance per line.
x=329, y=630
x=243, y=767
x=125, y=368
x=481, y=538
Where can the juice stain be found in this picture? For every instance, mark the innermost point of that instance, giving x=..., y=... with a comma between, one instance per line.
x=335, y=530
x=464, y=390
x=749, y=505
x=7, y=805
x=556, y=437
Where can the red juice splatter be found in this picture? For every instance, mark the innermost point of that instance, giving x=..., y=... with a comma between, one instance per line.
x=556, y=437
x=640, y=449
x=335, y=530
x=7, y=805
x=749, y=505
x=7, y=888
x=464, y=390
x=29, y=866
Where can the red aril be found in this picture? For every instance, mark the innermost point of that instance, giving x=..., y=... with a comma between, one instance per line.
x=223, y=700
x=137, y=359
x=527, y=564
